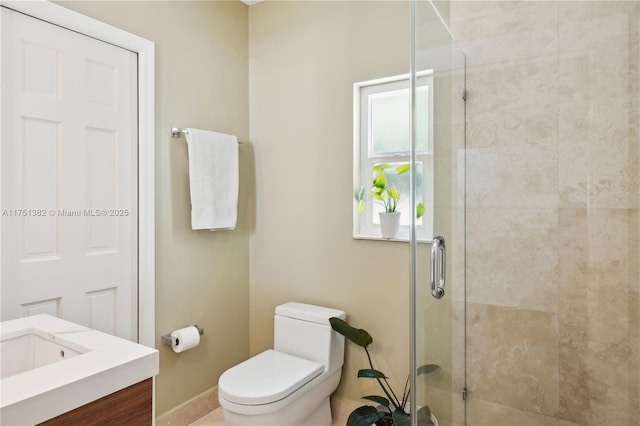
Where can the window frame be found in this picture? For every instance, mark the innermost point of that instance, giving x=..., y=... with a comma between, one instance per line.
x=364, y=224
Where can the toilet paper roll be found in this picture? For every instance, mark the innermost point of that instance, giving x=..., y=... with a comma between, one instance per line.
x=185, y=339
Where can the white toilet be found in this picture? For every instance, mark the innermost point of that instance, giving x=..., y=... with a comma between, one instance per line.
x=290, y=384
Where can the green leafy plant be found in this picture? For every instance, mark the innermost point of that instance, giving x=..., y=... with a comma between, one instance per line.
x=384, y=192
x=394, y=410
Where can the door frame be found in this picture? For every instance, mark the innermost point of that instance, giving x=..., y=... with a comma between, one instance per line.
x=145, y=49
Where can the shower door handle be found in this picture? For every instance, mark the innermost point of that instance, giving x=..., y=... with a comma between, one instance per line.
x=438, y=267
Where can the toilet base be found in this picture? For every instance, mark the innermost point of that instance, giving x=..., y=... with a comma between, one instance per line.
x=309, y=407
x=321, y=416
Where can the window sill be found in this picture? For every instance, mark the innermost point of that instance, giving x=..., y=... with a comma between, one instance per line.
x=393, y=240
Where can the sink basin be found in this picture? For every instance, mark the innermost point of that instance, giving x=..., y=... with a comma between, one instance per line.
x=33, y=348
x=51, y=366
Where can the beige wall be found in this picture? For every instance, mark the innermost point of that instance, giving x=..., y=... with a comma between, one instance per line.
x=202, y=277
x=304, y=59
x=552, y=172
x=552, y=211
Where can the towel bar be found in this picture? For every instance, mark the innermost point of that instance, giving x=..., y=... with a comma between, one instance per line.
x=176, y=132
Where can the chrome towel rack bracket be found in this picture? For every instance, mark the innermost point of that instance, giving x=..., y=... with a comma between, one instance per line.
x=176, y=132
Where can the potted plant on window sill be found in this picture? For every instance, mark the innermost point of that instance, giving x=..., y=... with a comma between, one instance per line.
x=388, y=195
x=391, y=410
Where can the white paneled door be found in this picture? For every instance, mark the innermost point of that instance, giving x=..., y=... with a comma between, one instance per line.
x=69, y=176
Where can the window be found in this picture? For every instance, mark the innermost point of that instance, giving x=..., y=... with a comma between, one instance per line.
x=381, y=136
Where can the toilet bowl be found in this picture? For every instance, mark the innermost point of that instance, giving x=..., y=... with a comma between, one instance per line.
x=289, y=385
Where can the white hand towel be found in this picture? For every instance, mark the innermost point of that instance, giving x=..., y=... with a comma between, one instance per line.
x=213, y=177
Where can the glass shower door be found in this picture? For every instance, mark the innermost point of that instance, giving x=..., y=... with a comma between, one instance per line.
x=438, y=268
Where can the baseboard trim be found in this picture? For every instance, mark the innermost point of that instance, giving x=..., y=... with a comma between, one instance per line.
x=203, y=404
x=191, y=410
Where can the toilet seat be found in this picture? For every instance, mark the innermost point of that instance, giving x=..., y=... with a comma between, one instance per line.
x=266, y=378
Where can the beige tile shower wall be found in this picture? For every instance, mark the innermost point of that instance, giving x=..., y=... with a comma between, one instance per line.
x=304, y=58
x=552, y=211
x=201, y=277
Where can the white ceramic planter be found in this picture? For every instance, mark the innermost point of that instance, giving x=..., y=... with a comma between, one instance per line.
x=389, y=224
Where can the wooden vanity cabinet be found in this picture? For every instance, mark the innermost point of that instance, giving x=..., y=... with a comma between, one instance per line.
x=131, y=406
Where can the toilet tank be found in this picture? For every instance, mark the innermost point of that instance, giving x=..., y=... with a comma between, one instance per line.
x=303, y=330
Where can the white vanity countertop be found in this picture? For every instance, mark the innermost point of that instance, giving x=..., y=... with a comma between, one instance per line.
x=111, y=364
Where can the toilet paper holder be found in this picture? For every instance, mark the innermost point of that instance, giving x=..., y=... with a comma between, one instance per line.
x=167, y=340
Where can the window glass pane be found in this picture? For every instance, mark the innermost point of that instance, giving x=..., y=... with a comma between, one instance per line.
x=389, y=121
x=422, y=112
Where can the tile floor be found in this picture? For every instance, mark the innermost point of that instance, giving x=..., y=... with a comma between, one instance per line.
x=214, y=418
x=341, y=409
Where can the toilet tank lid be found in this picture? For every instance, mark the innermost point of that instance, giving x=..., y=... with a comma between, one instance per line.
x=311, y=313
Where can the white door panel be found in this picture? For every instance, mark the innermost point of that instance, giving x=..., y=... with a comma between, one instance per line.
x=69, y=176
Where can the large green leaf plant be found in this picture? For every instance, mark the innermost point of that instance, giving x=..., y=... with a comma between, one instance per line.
x=391, y=404
x=384, y=192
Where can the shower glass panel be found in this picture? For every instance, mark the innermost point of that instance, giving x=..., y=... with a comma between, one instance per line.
x=438, y=335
